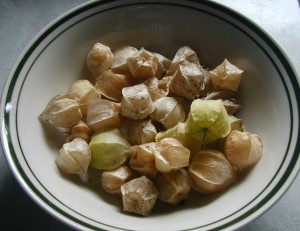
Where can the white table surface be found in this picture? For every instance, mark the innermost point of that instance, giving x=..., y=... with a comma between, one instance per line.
x=21, y=20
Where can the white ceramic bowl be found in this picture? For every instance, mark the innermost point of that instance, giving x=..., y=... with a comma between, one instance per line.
x=269, y=94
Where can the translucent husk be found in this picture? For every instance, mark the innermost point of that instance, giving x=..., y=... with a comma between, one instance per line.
x=170, y=155
x=136, y=102
x=80, y=88
x=226, y=76
x=178, y=132
x=119, y=64
x=224, y=94
x=74, y=157
x=163, y=64
x=109, y=149
x=157, y=88
x=208, y=121
x=164, y=83
x=210, y=171
x=141, y=132
x=229, y=99
x=80, y=130
x=188, y=81
x=232, y=106
x=236, y=123
x=93, y=96
x=142, y=65
x=243, y=149
x=168, y=111
x=206, y=87
x=178, y=148
x=103, y=114
x=99, y=59
x=111, y=181
x=142, y=160
x=63, y=111
x=183, y=54
x=110, y=84
x=173, y=187
x=139, y=196
x=85, y=92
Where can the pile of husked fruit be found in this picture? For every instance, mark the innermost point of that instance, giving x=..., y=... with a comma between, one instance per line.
x=155, y=128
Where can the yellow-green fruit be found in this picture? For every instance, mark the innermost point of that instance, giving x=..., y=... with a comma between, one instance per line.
x=178, y=132
x=208, y=121
x=109, y=149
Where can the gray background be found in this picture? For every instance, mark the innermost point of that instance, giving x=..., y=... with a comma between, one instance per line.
x=21, y=20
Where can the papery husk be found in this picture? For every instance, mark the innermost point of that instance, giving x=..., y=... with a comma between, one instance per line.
x=80, y=130
x=210, y=171
x=139, y=196
x=63, y=111
x=91, y=97
x=142, y=160
x=170, y=155
x=164, y=83
x=157, y=88
x=99, y=59
x=142, y=65
x=226, y=76
x=85, y=92
x=243, y=149
x=136, y=102
x=178, y=132
x=119, y=64
x=168, y=111
x=207, y=86
x=109, y=149
x=208, y=121
x=188, y=81
x=103, y=113
x=229, y=99
x=232, y=106
x=236, y=123
x=183, y=54
x=110, y=84
x=74, y=157
x=173, y=187
x=111, y=181
x=80, y=88
x=163, y=64
x=141, y=132
x=225, y=94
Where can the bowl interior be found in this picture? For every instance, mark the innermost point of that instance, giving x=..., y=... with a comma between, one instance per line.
x=57, y=58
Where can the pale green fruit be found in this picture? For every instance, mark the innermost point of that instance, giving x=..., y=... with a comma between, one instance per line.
x=178, y=132
x=109, y=149
x=208, y=121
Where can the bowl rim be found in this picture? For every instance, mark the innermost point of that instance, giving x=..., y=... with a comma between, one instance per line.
x=281, y=187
